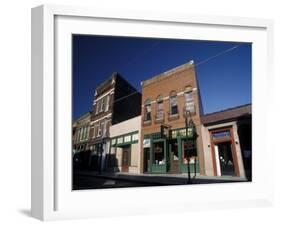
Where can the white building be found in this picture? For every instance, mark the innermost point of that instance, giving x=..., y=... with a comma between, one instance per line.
x=124, y=152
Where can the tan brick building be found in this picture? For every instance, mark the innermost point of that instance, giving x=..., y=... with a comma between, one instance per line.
x=167, y=99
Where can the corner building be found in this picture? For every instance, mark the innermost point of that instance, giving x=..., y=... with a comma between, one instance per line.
x=165, y=100
x=115, y=101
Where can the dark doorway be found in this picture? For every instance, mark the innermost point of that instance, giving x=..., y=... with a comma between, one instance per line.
x=126, y=158
x=226, y=159
x=146, y=166
x=245, y=137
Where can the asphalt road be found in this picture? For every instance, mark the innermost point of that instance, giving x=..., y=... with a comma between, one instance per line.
x=95, y=182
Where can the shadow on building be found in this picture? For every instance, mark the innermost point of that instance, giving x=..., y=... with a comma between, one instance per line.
x=244, y=124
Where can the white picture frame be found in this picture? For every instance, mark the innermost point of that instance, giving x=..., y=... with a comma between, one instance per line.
x=52, y=197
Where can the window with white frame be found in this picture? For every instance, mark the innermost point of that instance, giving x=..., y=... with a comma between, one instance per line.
x=147, y=110
x=85, y=132
x=105, y=128
x=173, y=103
x=102, y=128
x=88, y=132
x=77, y=135
x=97, y=107
x=159, y=110
x=107, y=102
x=102, y=106
x=98, y=130
x=94, y=131
x=189, y=101
x=82, y=133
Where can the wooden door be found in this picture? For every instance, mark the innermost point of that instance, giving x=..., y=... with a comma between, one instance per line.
x=174, y=157
x=126, y=159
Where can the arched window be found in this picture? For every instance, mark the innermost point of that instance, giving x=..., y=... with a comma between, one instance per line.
x=189, y=101
x=159, y=108
x=147, y=110
x=173, y=103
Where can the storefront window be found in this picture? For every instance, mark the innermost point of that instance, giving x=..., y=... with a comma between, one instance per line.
x=174, y=151
x=188, y=150
x=159, y=157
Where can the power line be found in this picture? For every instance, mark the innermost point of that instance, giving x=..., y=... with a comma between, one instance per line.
x=196, y=65
x=217, y=55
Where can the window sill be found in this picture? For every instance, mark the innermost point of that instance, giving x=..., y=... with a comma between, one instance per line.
x=147, y=123
x=174, y=117
x=159, y=120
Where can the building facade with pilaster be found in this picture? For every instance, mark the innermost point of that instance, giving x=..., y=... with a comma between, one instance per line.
x=115, y=100
x=167, y=99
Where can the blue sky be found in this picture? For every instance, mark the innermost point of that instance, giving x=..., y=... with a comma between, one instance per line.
x=224, y=81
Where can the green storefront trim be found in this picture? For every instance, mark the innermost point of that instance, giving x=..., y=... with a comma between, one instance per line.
x=157, y=168
x=179, y=136
x=184, y=167
x=114, y=140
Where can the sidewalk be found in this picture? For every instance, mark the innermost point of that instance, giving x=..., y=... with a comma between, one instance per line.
x=162, y=179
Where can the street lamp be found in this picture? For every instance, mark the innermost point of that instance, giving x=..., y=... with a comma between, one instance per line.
x=189, y=129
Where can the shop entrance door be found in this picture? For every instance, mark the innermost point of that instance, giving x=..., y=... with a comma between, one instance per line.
x=224, y=159
x=126, y=157
x=146, y=160
x=174, y=157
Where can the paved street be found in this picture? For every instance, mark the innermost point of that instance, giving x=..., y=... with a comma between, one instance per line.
x=84, y=179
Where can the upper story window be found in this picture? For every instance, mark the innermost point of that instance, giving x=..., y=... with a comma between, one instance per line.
x=102, y=129
x=102, y=107
x=88, y=132
x=173, y=103
x=98, y=130
x=107, y=102
x=77, y=135
x=159, y=108
x=85, y=136
x=94, y=131
x=189, y=100
x=147, y=110
x=97, y=107
x=83, y=133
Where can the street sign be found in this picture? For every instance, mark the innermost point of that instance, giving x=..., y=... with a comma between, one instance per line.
x=165, y=131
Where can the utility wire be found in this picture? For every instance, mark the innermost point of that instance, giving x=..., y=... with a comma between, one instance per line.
x=195, y=65
x=217, y=55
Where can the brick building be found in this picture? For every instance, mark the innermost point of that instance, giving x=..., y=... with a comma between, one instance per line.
x=115, y=100
x=223, y=144
x=81, y=128
x=124, y=131
x=167, y=99
x=80, y=140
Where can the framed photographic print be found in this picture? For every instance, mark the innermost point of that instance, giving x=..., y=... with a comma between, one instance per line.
x=135, y=112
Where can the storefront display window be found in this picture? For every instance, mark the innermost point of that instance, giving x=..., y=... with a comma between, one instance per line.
x=188, y=150
x=159, y=157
